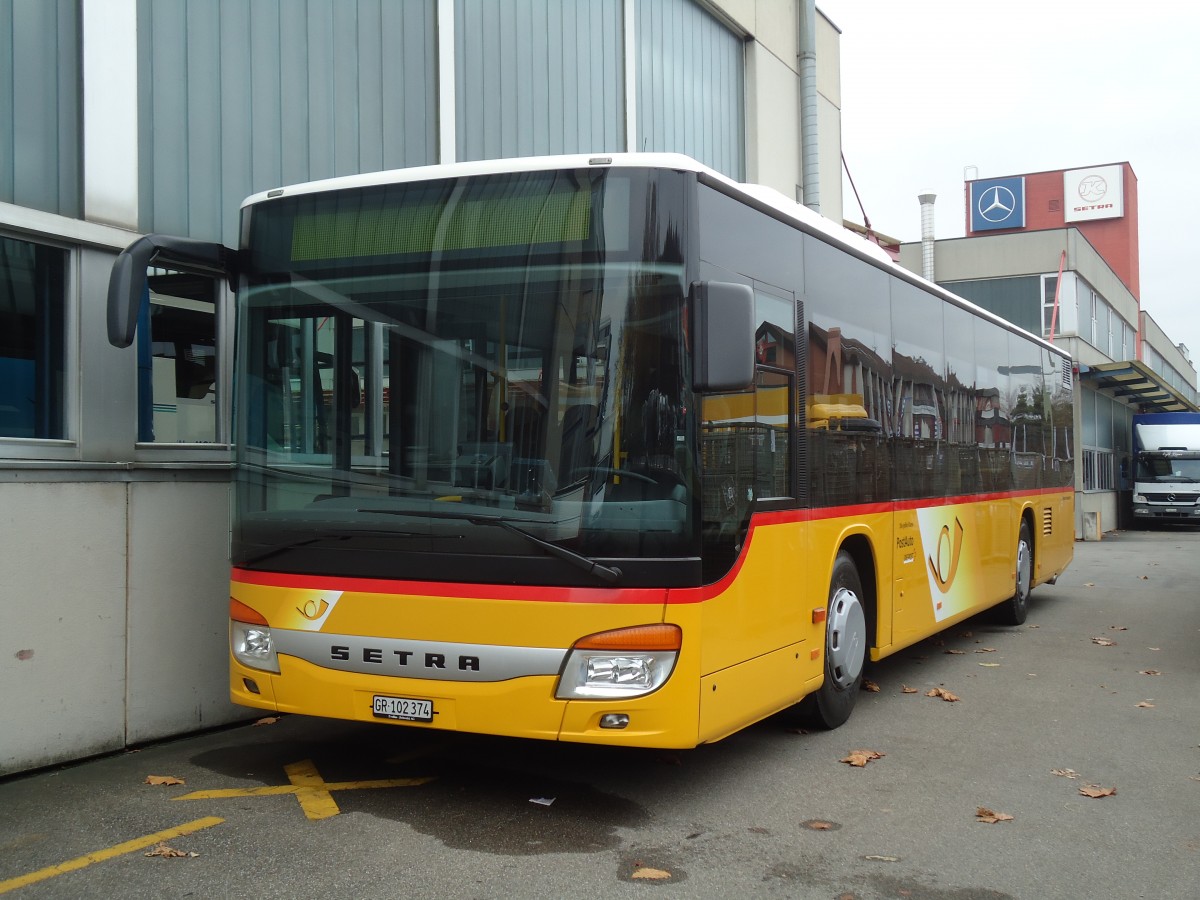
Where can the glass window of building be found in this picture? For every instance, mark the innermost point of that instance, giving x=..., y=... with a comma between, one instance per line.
x=32, y=340
x=178, y=371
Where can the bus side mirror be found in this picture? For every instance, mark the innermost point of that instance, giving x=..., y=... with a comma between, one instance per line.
x=127, y=281
x=722, y=336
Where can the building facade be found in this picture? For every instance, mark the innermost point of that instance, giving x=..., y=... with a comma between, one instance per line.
x=1057, y=253
x=124, y=117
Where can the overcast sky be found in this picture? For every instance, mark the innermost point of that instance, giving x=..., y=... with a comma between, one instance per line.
x=930, y=87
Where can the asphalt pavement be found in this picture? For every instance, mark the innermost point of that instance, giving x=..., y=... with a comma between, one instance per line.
x=1079, y=732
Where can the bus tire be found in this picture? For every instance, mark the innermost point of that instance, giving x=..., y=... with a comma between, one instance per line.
x=1015, y=609
x=845, y=649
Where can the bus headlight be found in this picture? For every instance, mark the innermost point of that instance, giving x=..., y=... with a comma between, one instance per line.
x=250, y=638
x=252, y=646
x=628, y=662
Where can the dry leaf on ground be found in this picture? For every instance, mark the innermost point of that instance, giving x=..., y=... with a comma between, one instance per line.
x=1149, y=672
x=1065, y=773
x=1145, y=704
x=859, y=758
x=170, y=852
x=651, y=874
x=869, y=685
x=1104, y=642
x=942, y=693
x=164, y=779
x=986, y=650
x=983, y=814
x=955, y=652
x=1094, y=790
x=267, y=720
x=905, y=689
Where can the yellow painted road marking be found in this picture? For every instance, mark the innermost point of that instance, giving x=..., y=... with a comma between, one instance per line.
x=312, y=791
x=81, y=862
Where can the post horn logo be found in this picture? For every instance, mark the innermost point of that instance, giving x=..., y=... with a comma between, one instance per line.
x=949, y=552
x=313, y=609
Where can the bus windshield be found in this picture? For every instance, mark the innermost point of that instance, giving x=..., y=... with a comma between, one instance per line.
x=465, y=380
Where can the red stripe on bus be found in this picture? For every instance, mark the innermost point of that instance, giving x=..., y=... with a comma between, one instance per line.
x=450, y=589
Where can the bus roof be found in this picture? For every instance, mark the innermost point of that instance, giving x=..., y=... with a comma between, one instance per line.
x=776, y=203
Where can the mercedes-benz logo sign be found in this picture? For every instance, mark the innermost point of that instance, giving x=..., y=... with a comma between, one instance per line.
x=996, y=203
x=1170, y=498
x=1093, y=188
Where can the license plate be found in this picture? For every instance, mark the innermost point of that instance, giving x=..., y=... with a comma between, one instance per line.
x=1170, y=511
x=406, y=709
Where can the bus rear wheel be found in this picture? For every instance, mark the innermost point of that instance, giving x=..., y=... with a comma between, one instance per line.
x=1015, y=609
x=845, y=649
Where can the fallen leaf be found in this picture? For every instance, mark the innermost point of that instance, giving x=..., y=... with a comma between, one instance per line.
x=652, y=874
x=905, y=689
x=1035, y=626
x=1145, y=578
x=1149, y=672
x=164, y=779
x=267, y=720
x=859, y=758
x=1065, y=773
x=1145, y=704
x=1094, y=790
x=986, y=650
x=955, y=652
x=819, y=826
x=990, y=665
x=944, y=694
x=1118, y=627
x=170, y=852
x=983, y=814
x=1089, y=584
x=869, y=685
x=1104, y=642
x=1154, y=648
x=883, y=858
x=542, y=801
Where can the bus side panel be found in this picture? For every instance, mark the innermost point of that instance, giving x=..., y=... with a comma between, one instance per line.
x=1053, y=535
x=955, y=561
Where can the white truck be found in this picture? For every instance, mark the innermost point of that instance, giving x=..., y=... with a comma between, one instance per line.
x=1166, y=480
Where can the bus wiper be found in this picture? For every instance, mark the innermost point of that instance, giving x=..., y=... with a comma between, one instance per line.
x=609, y=574
x=294, y=545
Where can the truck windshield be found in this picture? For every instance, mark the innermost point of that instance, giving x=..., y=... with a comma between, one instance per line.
x=420, y=363
x=1160, y=468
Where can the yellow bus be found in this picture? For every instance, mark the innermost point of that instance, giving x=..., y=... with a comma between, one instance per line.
x=608, y=449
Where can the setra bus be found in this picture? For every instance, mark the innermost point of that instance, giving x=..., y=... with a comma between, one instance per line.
x=608, y=449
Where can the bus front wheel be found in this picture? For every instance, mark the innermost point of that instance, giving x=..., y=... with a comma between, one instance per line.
x=845, y=649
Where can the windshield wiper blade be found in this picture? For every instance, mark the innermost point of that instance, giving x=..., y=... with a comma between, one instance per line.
x=295, y=545
x=608, y=574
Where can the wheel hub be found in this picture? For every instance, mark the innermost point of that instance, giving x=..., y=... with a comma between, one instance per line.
x=847, y=637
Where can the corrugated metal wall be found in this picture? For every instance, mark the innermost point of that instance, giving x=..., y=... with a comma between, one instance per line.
x=239, y=96
x=40, y=118
x=538, y=77
x=690, y=95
